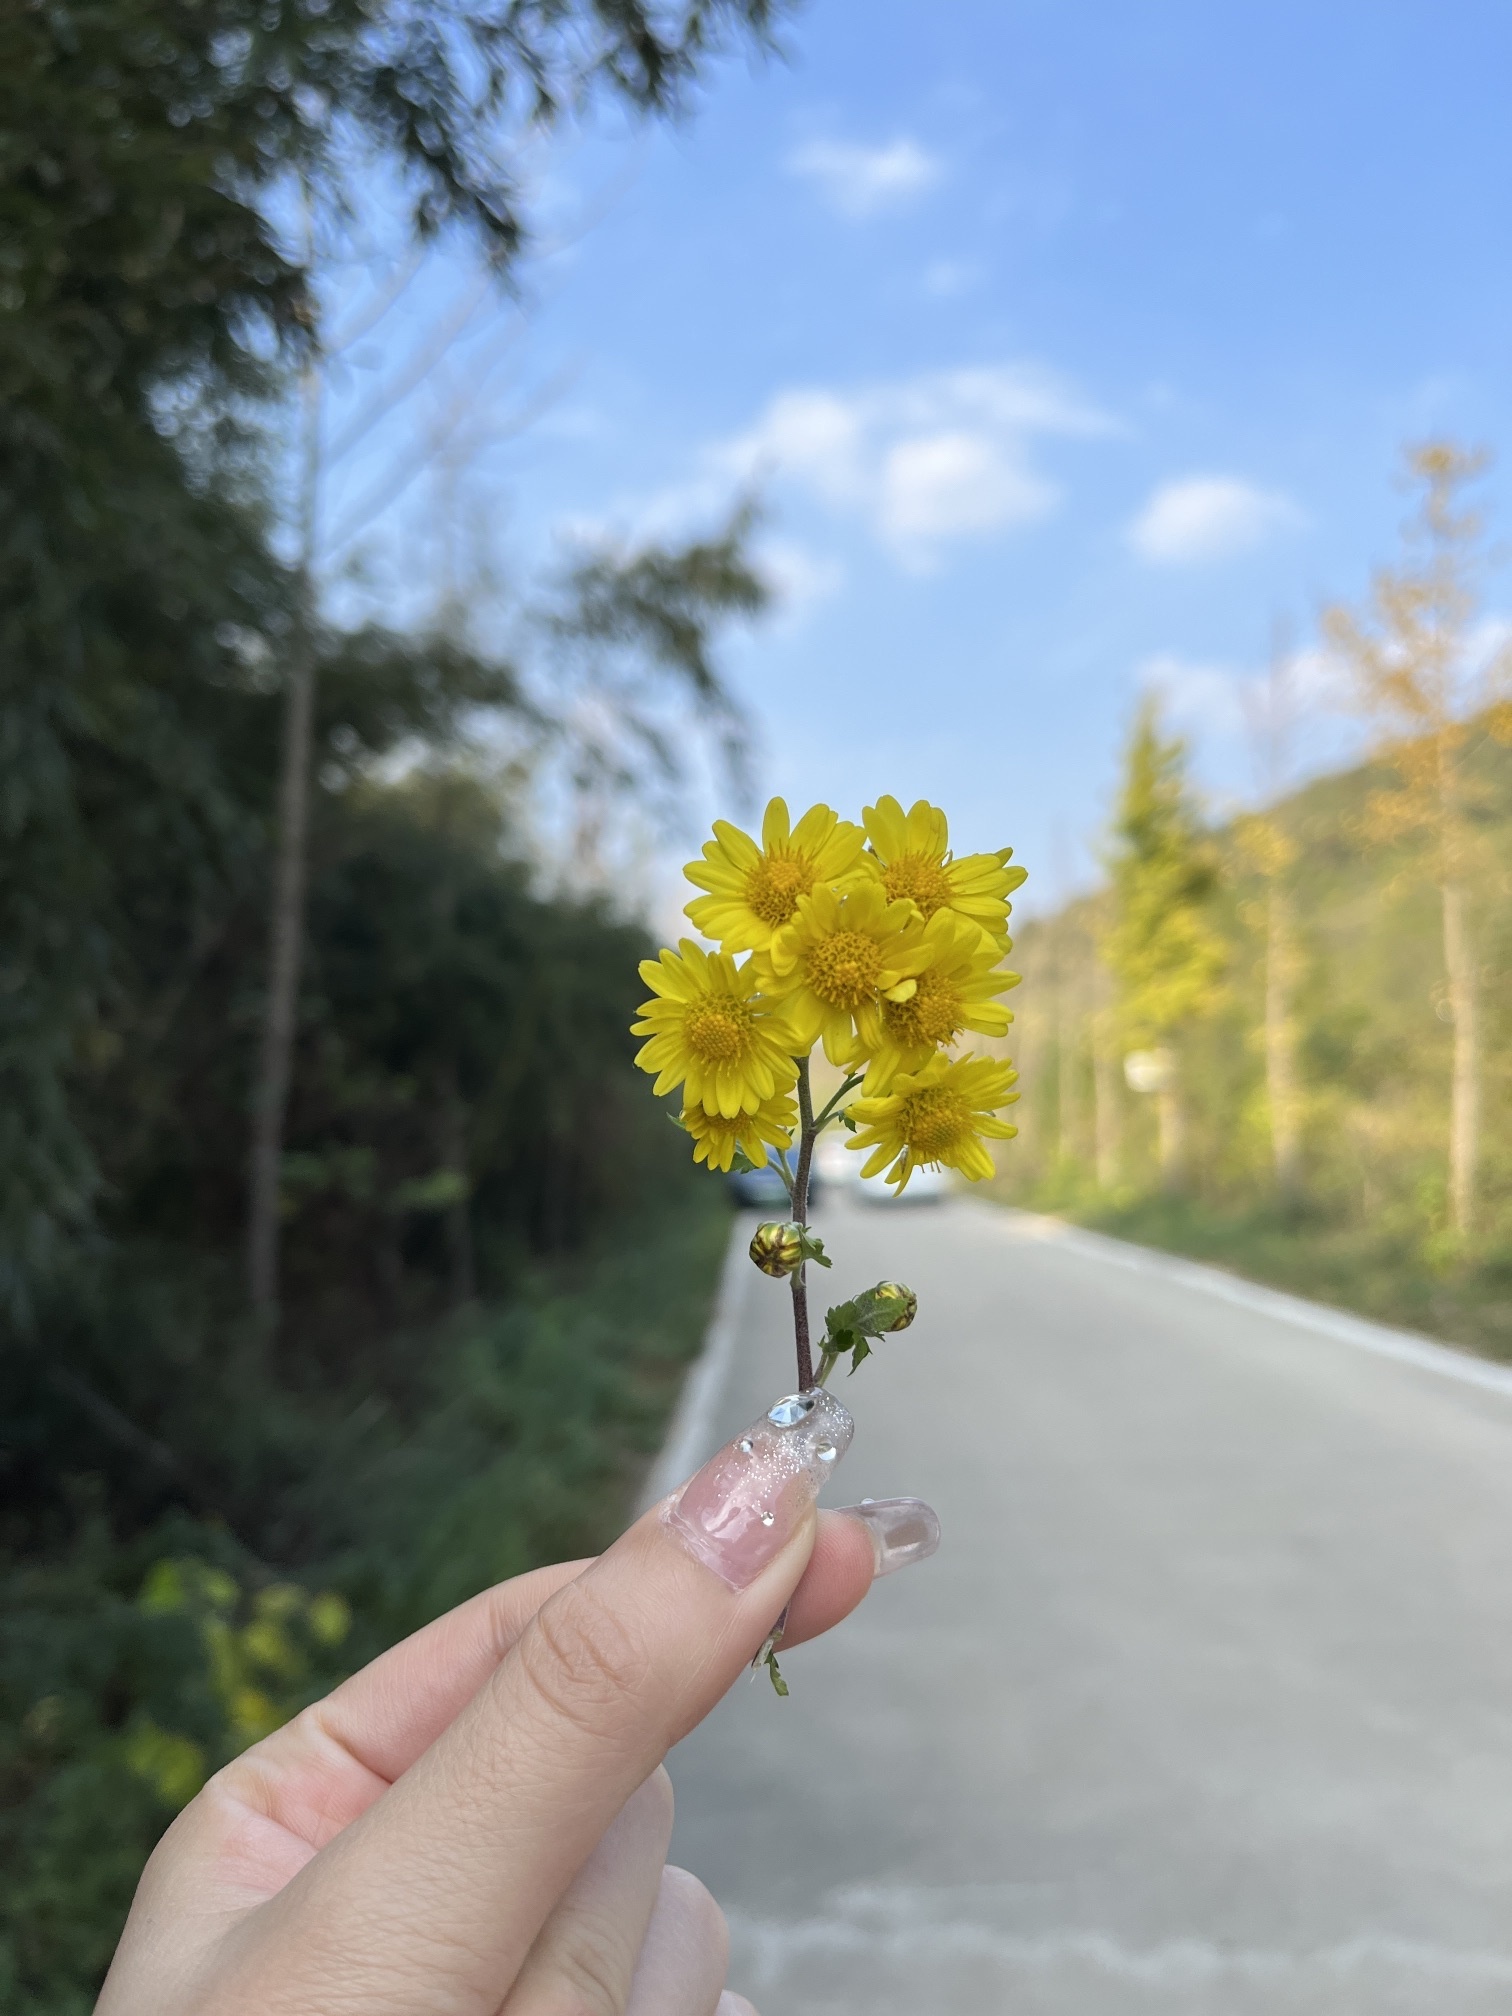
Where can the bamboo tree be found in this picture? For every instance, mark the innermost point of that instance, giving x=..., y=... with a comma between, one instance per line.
x=460, y=93
x=290, y=870
x=1064, y=998
x=1434, y=703
x=1273, y=853
x=1161, y=947
x=1107, y=1113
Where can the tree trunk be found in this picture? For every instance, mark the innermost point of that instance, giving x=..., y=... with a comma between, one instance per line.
x=1065, y=1079
x=459, y=1239
x=1282, y=1077
x=1106, y=1114
x=286, y=945
x=1170, y=1116
x=286, y=926
x=1464, y=1100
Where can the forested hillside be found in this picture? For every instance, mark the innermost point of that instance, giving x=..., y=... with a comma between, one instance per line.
x=1364, y=1218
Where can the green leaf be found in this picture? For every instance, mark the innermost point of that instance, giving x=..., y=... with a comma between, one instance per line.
x=439, y=1191
x=843, y=1334
x=774, y=1672
x=812, y=1247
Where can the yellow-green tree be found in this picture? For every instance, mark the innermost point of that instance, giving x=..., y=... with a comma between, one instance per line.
x=1272, y=852
x=1161, y=947
x=1434, y=700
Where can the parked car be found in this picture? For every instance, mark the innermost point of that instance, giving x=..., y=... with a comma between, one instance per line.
x=839, y=1168
x=926, y=1185
x=758, y=1190
x=834, y=1164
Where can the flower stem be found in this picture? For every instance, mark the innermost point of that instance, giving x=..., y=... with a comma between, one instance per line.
x=800, y=1217
x=833, y=1107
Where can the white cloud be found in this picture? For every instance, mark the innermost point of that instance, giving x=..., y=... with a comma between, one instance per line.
x=815, y=435
x=800, y=578
x=1195, y=694
x=1200, y=518
x=922, y=461
x=951, y=485
x=859, y=181
x=1286, y=729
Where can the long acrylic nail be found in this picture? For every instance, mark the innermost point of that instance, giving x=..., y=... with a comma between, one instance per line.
x=745, y=1504
x=903, y=1530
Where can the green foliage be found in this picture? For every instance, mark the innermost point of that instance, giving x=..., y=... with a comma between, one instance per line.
x=128, y=1670
x=631, y=620
x=197, y=1532
x=1371, y=1227
x=148, y=312
x=1161, y=946
x=850, y=1327
x=768, y=1658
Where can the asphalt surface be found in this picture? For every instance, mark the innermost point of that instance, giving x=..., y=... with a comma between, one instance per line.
x=1205, y=1704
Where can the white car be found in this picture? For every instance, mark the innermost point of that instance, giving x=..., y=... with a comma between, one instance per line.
x=927, y=1185
x=839, y=1169
x=836, y=1166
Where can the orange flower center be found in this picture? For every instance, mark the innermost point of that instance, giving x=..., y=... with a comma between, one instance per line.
x=920, y=877
x=934, y=1121
x=931, y=1015
x=716, y=1030
x=844, y=969
x=775, y=884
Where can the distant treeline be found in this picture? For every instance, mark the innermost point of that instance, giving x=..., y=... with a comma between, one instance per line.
x=1286, y=1041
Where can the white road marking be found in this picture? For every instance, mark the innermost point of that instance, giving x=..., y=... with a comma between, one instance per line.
x=691, y=1434
x=1406, y=1347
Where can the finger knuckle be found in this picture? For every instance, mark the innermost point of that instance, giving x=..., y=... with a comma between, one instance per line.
x=593, y=1979
x=704, y=1927
x=581, y=1659
x=658, y=1794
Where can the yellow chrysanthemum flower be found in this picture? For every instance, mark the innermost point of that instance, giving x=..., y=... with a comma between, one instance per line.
x=840, y=956
x=938, y=1115
x=715, y=1139
x=957, y=991
x=754, y=891
x=712, y=1033
x=913, y=851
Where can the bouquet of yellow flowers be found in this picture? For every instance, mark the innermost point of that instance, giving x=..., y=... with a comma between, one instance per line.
x=876, y=944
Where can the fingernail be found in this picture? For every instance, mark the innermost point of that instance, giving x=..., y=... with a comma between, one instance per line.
x=903, y=1530
x=745, y=1504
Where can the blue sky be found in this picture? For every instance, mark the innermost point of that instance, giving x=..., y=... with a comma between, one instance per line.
x=1071, y=345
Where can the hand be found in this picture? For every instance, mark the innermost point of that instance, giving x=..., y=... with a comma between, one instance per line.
x=477, y=1823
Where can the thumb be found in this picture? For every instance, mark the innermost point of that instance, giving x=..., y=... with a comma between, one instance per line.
x=432, y=1899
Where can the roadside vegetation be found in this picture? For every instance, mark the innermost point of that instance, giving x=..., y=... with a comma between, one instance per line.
x=1284, y=1043
x=342, y=1267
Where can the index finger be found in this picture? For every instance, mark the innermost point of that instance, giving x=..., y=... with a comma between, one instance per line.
x=463, y=1858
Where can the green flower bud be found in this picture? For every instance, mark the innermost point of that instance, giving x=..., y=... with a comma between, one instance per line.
x=887, y=1307
x=778, y=1249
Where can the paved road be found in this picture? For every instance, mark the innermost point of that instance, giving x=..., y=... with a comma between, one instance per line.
x=1205, y=1704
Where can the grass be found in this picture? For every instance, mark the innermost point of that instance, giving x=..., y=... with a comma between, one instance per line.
x=534, y=1423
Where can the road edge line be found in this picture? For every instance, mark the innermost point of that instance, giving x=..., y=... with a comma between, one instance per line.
x=692, y=1424
x=1382, y=1340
